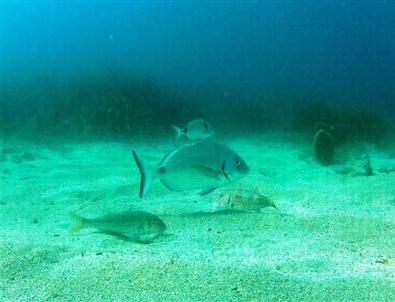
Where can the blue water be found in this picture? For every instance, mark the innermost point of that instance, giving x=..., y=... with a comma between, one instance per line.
x=297, y=47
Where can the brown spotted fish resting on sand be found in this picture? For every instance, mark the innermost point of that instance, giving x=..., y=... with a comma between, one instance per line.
x=203, y=166
x=194, y=130
x=244, y=200
x=137, y=226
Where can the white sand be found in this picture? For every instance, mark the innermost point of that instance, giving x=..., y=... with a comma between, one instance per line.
x=326, y=242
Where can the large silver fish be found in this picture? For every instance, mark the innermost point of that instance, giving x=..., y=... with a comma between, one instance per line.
x=136, y=226
x=203, y=166
x=194, y=130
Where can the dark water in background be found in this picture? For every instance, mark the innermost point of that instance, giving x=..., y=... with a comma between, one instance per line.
x=134, y=67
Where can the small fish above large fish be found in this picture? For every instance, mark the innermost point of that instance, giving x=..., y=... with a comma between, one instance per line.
x=194, y=130
x=203, y=166
x=138, y=226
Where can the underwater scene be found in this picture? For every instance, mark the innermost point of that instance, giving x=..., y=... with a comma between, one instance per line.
x=197, y=150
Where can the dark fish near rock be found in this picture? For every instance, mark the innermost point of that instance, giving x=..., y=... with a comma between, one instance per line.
x=201, y=166
x=138, y=226
x=339, y=132
x=324, y=147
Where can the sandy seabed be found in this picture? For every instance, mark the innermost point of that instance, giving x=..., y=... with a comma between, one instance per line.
x=332, y=238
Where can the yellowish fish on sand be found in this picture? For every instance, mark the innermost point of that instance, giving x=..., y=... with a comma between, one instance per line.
x=137, y=226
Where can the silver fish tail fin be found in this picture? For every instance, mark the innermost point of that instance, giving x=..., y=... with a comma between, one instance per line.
x=147, y=174
x=79, y=222
x=179, y=132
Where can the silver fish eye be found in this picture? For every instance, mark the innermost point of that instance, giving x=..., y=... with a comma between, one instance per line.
x=237, y=162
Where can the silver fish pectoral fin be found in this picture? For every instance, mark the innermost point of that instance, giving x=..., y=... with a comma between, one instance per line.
x=207, y=191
